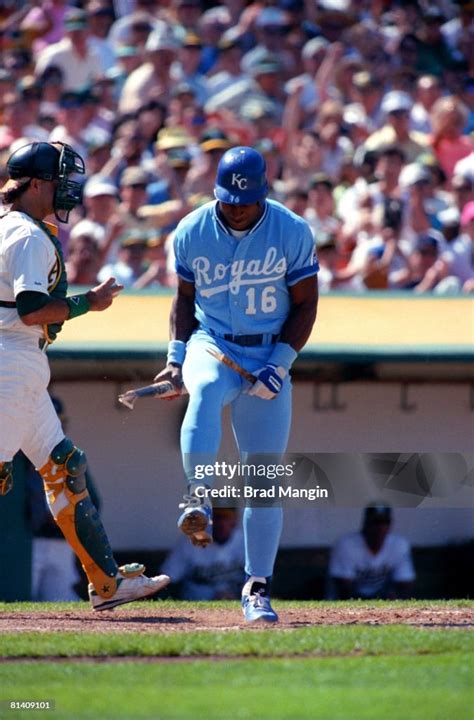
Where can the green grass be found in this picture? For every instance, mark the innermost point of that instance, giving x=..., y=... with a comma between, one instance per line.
x=318, y=640
x=366, y=688
x=162, y=606
x=347, y=672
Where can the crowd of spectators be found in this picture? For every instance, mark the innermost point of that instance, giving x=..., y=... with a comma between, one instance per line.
x=363, y=109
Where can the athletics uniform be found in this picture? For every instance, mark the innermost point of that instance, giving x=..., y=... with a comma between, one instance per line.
x=29, y=261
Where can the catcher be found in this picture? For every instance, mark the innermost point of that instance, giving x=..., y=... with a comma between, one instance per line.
x=33, y=308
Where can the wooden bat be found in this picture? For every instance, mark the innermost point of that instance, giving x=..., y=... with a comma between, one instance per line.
x=233, y=365
x=164, y=389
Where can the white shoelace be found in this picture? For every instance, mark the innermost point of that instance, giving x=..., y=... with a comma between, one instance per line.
x=190, y=501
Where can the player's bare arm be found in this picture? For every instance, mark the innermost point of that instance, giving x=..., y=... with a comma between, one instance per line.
x=39, y=309
x=302, y=316
x=182, y=325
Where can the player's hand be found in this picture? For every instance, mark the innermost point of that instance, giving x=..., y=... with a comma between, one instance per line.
x=102, y=296
x=269, y=383
x=174, y=374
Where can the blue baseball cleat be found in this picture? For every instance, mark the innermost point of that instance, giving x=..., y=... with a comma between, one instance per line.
x=256, y=605
x=196, y=520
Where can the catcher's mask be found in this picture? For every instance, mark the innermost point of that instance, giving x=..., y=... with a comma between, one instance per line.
x=48, y=161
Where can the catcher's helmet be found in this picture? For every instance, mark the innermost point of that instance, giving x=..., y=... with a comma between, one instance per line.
x=241, y=177
x=48, y=161
x=36, y=160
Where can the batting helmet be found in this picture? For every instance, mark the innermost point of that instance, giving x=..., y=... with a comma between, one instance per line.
x=241, y=177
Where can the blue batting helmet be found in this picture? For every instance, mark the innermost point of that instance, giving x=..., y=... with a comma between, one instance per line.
x=241, y=177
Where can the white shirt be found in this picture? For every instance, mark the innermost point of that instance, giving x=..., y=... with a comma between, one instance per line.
x=207, y=573
x=77, y=71
x=460, y=258
x=28, y=261
x=351, y=559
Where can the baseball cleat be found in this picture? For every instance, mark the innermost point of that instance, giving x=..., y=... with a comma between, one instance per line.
x=196, y=520
x=128, y=590
x=256, y=603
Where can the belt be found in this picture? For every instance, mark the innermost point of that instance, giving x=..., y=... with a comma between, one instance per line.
x=7, y=304
x=251, y=340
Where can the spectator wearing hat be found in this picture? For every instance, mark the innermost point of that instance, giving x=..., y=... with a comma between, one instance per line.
x=132, y=29
x=396, y=107
x=306, y=84
x=373, y=562
x=84, y=258
x=462, y=189
x=211, y=27
x=448, y=119
x=71, y=121
x=320, y=211
x=134, y=197
x=78, y=62
x=420, y=262
x=270, y=151
x=201, y=177
x=423, y=202
x=187, y=13
x=127, y=59
x=185, y=69
x=449, y=221
x=454, y=271
x=330, y=259
x=100, y=16
x=428, y=91
x=100, y=200
x=157, y=273
x=227, y=71
x=368, y=91
x=152, y=78
x=131, y=260
x=173, y=154
x=270, y=29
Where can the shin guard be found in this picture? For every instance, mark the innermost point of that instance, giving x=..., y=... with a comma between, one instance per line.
x=6, y=477
x=74, y=512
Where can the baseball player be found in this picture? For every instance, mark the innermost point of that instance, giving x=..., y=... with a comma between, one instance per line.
x=372, y=563
x=33, y=307
x=247, y=288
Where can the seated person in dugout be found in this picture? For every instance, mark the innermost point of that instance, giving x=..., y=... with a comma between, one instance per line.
x=373, y=562
x=215, y=574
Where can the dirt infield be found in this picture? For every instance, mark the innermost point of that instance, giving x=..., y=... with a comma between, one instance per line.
x=155, y=620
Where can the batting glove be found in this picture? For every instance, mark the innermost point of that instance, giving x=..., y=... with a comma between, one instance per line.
x=269, y=383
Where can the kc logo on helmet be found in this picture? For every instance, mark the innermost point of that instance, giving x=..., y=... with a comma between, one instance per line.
x=240, y=181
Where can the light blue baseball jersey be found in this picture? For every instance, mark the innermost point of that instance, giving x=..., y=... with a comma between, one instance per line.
x=242, y=285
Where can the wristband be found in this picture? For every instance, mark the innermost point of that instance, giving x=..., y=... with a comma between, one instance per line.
x=283, y=356
x=176, y=352
x=78, y=305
